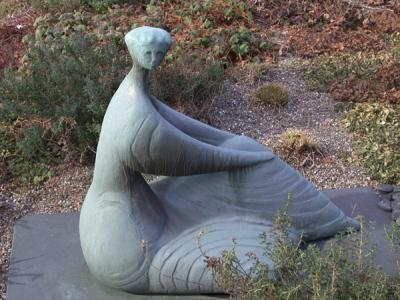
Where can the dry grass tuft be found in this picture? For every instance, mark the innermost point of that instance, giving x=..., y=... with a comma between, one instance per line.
x=299, y=148
x=272, y=94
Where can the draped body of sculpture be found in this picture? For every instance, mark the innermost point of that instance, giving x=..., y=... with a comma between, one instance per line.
x=141, y=237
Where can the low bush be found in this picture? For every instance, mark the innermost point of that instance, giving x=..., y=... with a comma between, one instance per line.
x=343, y=269
x=271, y=94
x=67, y=78
x=189, y=84
x=377, y=127
x=67, y=83
x=26, y=151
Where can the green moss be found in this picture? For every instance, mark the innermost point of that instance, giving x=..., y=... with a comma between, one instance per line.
x=272, y=94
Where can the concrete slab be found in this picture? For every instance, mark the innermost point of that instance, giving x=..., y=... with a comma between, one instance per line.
x=363, y=202
x=47, y=262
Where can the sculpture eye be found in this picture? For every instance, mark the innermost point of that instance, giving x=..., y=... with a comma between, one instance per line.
x=160, y=54
x=148, y=53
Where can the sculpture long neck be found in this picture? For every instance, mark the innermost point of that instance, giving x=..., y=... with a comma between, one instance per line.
x=139, y=77
x=108, y=161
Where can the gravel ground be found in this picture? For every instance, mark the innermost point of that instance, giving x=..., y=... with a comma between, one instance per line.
x=311, y=111
x=234, y=112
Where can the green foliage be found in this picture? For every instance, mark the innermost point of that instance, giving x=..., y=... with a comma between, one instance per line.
x=325, y=70
x=99, y=6
x=66, y=78
x=25, y=152
x=67, y=82
x=343, y=269
x=272, y=94
x=378, y=129
x=189, y=84
x=61, y=25
x=219, y=29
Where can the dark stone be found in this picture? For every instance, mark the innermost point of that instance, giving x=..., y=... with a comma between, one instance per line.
x=396, y=197
x=385, y=204
x=396, y=206
x=47, y=262
x=385, y=188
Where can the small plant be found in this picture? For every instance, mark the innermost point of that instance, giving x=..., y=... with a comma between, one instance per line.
x=343, y=269
x=272, y=94
x=377, y=127
x=299, y=148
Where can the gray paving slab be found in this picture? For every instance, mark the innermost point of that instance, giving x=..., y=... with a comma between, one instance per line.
x=47, y=262
x=363, y=202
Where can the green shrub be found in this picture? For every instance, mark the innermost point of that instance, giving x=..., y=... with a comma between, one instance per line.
x=67, y=82
x=272, y=94
x=25, y=151
x=67, y=78
x=377, y=127
x=190, y=84
x=343, y=269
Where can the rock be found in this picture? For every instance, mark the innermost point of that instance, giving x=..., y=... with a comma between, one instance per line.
x=385, y=205
x=385, y=188
x=396, y=208
x=396, y=197
x=395, y=215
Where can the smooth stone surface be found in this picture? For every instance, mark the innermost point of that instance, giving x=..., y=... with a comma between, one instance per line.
x=363, y=202
x=47, y=261
x=385, y=204
x=47, y=264
x=385, y=188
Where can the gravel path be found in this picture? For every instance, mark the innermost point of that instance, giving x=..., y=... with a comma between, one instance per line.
x=233, y=112
x=311, y=111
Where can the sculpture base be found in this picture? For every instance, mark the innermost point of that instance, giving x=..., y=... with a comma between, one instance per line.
x=47, y=262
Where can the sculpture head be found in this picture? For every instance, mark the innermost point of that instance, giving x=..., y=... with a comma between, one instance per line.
x=148, y=45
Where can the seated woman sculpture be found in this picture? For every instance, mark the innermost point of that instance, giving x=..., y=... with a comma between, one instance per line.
x=143, y=238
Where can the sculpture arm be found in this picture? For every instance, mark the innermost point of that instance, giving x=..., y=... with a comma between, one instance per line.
x=204, y=132
x=162, y=149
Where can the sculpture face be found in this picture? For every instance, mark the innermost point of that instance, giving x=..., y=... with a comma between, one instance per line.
x=149, y=56
x=148, y=45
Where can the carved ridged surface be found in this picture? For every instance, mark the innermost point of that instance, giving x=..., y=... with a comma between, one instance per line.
x=179, y=267
x=257, y=191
